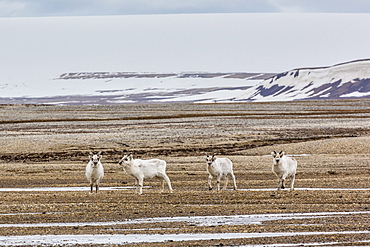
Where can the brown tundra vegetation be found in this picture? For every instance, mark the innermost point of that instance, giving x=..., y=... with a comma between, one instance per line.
x=43, y=146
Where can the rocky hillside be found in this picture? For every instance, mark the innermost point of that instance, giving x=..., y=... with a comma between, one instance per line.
x=346, y=80
x=341, y=81
x=75, y=88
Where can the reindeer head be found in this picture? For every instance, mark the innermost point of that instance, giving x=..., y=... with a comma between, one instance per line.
x=277, y=156
x=95, y=158
x=126, y=159
x=210, y=159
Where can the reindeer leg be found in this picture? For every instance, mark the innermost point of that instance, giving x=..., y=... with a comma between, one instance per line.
x=210, y=182
x=168, y=181
x=91, y=187
x=226, y=181
x=218, y=183
x=292, y=183
x=234, y=181
x=141, y=180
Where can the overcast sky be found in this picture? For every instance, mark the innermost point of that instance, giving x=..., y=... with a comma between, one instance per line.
x=39, y=8
x=160, y=42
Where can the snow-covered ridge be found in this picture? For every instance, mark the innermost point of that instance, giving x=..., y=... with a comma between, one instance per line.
x=111, y=75
x=132, y=87
x=346, y=80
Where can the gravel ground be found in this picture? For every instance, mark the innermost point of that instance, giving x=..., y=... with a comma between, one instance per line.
x=47, y=146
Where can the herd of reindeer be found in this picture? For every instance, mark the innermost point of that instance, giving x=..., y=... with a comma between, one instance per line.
x=283, y=166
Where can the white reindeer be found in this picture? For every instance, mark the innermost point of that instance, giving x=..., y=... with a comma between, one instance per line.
x=219, y=168
x=94, y=171
x=140, y=169
x=284, y=167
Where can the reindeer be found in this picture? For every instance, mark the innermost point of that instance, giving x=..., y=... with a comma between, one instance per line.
x=143, y=169
x=284, y=167
x=94, y=171
x=219, y=168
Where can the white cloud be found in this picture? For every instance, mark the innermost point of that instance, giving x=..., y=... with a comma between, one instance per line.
x=9, y=8
x=30, y=8
x=320, y=6
x=125, y=7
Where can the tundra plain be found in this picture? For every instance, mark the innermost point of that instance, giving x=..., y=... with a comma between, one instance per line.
x=45, y=146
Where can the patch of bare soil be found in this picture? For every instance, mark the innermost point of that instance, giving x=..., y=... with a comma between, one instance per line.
x=47, y=146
